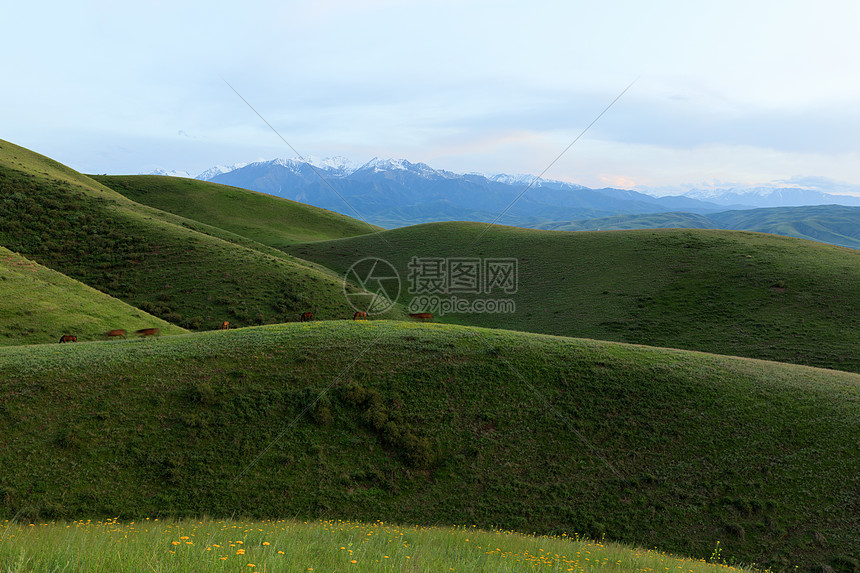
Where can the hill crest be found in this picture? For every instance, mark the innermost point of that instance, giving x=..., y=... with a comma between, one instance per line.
x=648, y=446
x=186, y=272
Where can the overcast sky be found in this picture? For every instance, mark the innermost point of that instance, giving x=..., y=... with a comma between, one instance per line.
x=726, y=92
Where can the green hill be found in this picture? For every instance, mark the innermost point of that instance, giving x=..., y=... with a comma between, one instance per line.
x=832, y=224
x=188, y=273
x=628, y=222
x=263, y=218
x=38, y=305
x=441, y=424
x=727, y=292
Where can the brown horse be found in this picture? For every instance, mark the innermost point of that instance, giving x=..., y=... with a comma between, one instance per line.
x=307, y=316
x=143, y=332
x=118, y=333
x=68, y=338
x=225, y=325
x=360, y=315
x=422, y=316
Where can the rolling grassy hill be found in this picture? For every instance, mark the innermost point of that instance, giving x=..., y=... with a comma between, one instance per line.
x=38, y=305
x=425, y=423
x=727, y=292
x=435, y=424
x=269, y=220
x=186, y=272
x=833, y=224
x=629, y=222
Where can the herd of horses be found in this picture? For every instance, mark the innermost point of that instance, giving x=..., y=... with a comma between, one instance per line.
x=304, y=317
x=116, y=333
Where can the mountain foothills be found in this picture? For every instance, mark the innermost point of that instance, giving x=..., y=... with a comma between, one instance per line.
x=188, y=273
x=744, y=294
x=541, y=417
x=433, y=424
x=395, y=193
x=834, y=224
x=729, y=292
x=381, y=189
x=257, y=216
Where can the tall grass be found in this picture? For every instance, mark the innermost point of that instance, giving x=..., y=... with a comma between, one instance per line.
x=286, y=545
x=435, y=424
x=727, y=292
x=38, y=305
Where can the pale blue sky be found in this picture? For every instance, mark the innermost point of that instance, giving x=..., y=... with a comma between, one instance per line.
x=735, y=91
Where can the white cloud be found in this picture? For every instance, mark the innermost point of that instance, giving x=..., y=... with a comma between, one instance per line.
x=729, y=89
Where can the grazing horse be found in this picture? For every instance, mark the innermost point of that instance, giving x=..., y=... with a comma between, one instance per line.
x=360, y=315
x=422, y=316
x=307, y=316
x=68, y=338
x=225, y=325
x=118, y=333
x=143, y=332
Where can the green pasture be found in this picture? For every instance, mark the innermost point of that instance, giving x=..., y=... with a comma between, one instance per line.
x=439, y=424
x=727, y=292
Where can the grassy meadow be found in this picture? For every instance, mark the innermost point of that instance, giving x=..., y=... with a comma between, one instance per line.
x=38, y=305
x=728, y=292
x=167, y=546
x=113, y=452
x=639, y=221
x=185, y=272
x=269, y=220
x=431, y=423
x=833, y=224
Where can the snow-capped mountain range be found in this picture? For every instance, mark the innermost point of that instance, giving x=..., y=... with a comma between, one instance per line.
x=771, y=196
x=329, y=166
x=173, y=173
x=395, y=192
x=338, y=166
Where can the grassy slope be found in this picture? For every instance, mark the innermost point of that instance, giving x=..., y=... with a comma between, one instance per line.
x=290, y=546
x=38, y=305
x=266, y=219
x=440, y=424
x=184, y=271
x=728, y=292
x=835, y=224
x=627, y=222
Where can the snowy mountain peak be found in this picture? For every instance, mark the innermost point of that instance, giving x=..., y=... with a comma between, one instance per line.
x=527, y=179
x=331, y=165
x=336, y=163
x=219, y=170
x=772, y=196
x=283, y=162
x=171, y=173
x=508, y=179
x=377, y=165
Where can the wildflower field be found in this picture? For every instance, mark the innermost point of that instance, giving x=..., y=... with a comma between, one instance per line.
x=648, y=447
x=322, y=546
